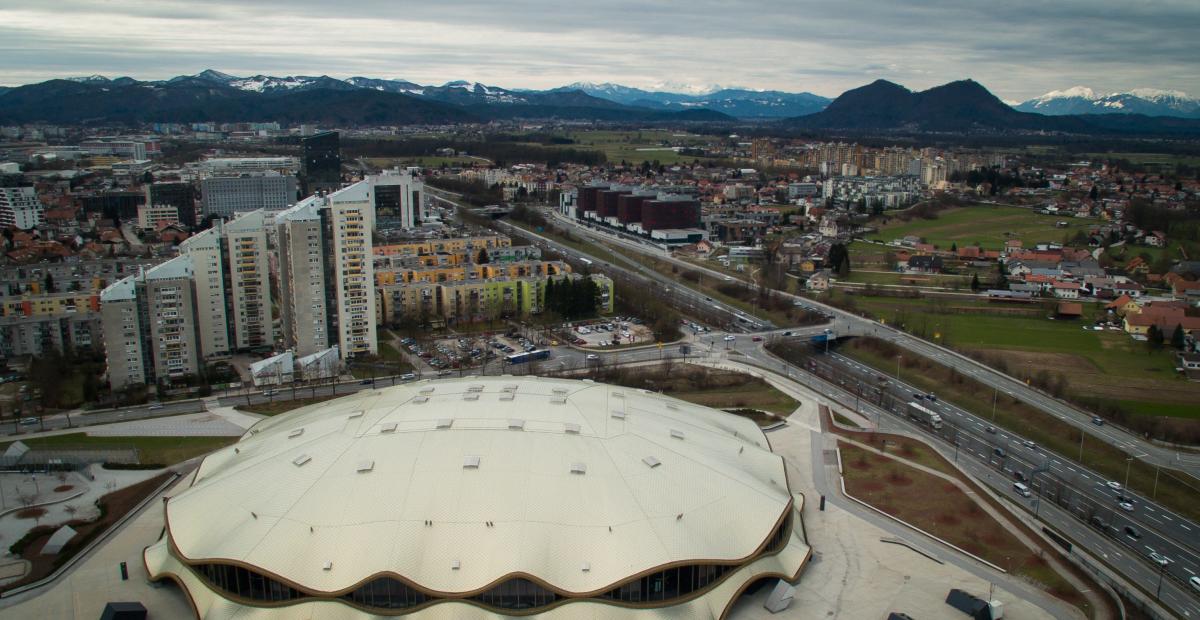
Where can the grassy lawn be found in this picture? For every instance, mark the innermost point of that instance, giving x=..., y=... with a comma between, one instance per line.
x=426, y=161
x=989, y=226
x=917, y=279
x=1158, y=159
x=626, y=145
x=939, y=507
x=754, y=394
x=283, y=406
x=155, y=450
x=1173, y=489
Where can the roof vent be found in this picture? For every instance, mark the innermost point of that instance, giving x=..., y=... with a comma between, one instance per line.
x=676, y=434
x=427, y=390
x=390, y=427
x=301, y=460
x=511, y=387
x=355, y=414
x=558, y=400
x=455, y=565
x=327, y=566
x=578, y=468
x=651, y=462
x=620, y=415
x=366, y=466
x=478, y=387
x=618, y=394
x=571, y=427
x=470, y=462
x=588, y=380
x=296, y=433
x=673, y=406
x=559, y=390
x=470, y=396
x=516, y=425
x=507, y=396
x=445, y=423
x=585, y=567
x=421, y=400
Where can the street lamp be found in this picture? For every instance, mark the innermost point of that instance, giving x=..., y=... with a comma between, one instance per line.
x=1128, y=464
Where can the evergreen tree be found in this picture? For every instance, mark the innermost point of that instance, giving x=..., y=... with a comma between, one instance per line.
x=975, y=282
x=1177, y=337
x=482, y=258
x=1154, y=337
x=49, y=283
x=953, y=246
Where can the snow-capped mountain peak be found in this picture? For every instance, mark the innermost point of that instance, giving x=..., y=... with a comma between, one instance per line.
x=1081, y=92
x=1084, y=100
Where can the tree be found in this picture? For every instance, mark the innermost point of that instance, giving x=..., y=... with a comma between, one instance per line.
x=975, y=282
x=1094, y=193
x=1001, y=276
x=1154, y=337
x=1177, y=338
x=49, y=283
x=953, y=246
x=482, y=258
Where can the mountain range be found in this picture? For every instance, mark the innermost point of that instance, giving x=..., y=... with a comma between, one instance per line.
x=1083, y=100
x=960, y=107
x=965, y=106
x=212, y=95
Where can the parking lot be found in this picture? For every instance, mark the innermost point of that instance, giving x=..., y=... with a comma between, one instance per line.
x=611, y=332
x=447, y=355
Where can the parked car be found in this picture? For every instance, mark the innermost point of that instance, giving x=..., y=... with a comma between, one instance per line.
x=730, y=338
x=757, y=339
x=592, y=357
x=28, y=421
x=408, y=376
x=155, y=406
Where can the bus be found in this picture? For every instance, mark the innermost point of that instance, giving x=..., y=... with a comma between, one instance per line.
x=527, y=356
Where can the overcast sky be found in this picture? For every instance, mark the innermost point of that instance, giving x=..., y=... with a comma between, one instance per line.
x=1017, y=48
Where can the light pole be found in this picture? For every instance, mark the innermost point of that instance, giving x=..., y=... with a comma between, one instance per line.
x=995, y=397
x=898, y=356
x=1128, y=464
x=1162, y=569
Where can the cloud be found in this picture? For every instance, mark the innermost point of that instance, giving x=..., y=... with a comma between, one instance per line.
x=1018, y=48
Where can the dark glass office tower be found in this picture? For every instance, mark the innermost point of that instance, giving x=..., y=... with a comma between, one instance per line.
x=321, y=163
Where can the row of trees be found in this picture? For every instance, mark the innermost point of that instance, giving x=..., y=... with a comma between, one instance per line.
x=572, y=298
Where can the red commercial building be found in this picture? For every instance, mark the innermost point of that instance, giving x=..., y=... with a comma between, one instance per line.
x=660, y=214
x=629, y=207
x=606, y=205
x=588, y=198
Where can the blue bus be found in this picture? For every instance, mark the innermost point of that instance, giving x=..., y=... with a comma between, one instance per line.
x=529, y=356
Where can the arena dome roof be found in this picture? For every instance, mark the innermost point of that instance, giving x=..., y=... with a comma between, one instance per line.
x=499, y=492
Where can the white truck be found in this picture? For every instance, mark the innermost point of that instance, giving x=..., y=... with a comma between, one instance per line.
x=925, y=416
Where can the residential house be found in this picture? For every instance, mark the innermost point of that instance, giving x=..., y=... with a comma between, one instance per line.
x=818, y=281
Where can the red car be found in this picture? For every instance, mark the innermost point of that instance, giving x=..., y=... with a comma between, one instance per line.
x=757, y=339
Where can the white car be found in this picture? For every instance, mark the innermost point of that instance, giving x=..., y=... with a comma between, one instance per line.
x=592, y=357
x=1126, y=506
x=1114, y=485
x=1160, y=559
x=1194, y=581
x=730, y=338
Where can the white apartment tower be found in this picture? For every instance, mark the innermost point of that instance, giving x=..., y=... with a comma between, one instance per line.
x=20, y=207
x=249, y=281
x=301, y=265
x=351, y=215
x=149, y=325
x=208, y=268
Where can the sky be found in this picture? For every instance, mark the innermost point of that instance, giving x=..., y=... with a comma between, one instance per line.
x=1019, y=49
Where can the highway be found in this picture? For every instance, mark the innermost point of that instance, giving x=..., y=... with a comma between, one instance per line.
x=855, y=325
x=58, y=421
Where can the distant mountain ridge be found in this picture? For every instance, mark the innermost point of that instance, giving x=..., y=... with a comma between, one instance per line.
x=966, y=106
x=736, y=102
x=1083, y=100
x=213, y=95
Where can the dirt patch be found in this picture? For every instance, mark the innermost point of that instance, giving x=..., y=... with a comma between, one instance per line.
x=112, y=507
x=63, y=488
x=31, y=513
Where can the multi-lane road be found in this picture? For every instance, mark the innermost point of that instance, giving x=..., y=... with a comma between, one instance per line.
x=853, y=324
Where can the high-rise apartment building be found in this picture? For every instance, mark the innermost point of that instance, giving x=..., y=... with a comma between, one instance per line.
x=303, y=306
x=210, y=273
x=226, y=196
x=321, y=162
x=149, y=323
x=325, y=272
x=249, y=278
x=351, y=212
x=20, y=207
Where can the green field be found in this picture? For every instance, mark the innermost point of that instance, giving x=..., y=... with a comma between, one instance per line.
x=151, y=450
x=988, y=226
x=921, y=279
x=1158, y=159
x=426, y=161
x=620, y=146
